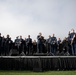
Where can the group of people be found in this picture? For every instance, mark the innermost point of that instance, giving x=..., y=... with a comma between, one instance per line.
x=52, y=46
x=67, y=46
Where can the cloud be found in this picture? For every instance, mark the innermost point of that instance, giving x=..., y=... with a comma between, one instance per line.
x=23, y=17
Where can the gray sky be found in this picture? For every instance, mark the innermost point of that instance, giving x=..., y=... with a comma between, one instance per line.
x=23, y=17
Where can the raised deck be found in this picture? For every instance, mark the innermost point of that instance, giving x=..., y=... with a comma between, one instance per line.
x=38, y=63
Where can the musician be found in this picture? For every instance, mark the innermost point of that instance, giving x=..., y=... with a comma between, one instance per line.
x=8, y=42
x=34, y=46
x=59, y=45
x=69, y=43
x=71, y=37
x=65, y=45
x=29, y=45
x=25, y=46
x=48, y=42
x=72, y=33
x=3, y=45
x=0, y=44
x=74, y=44
x=53, y=44
x=39, y=43
x=17, y=43
x=21, y=41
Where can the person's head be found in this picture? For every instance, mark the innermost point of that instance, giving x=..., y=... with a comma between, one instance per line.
x=49, y=36
x=69, y=33
x=28, y=36
x=65, y=38
x=59, y=39
x=17, y=37
x=8, y=36
x=72, y=30
x=24, y=38
x=3, y=37
x=20, y=37
x=40, y=33
x=34, y=40
x=53, y=35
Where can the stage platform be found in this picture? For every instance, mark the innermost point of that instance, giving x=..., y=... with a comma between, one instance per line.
x=38, y=63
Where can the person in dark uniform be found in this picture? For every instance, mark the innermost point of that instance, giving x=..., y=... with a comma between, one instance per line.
x=65, y=45
x=53, y=44
x=39, y=43
x=74, y=44
x=44, y=50
x=48, y=42
x=71, y=37
x=69, y=43
x=7, y=45
x=59, y=41
x=0, y=44
x=29, y=45
x=21, y=45
x=10, y=45
x=34, y=46
x=17, y=44
x=59, y=47
x=72, y=33
x=3, y=45
x=25, y=46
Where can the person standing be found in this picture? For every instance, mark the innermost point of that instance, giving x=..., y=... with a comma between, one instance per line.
x=69, y=43
x=29, y=45
x=53, y=44
x=65, y=45
x=25, y=46
x=59, y=46
x=3, y=45
x=74, y=44
x=0, y=44
x=72, y=33
x=7, y=45
x=71, y=37
x=34, y=46
x=48, y=42
x=16, y=42
x=21, y=44
x=39, y=43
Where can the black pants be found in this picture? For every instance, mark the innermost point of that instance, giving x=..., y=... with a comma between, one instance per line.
x=7, y=50
x=39, y=48
x=29, y=48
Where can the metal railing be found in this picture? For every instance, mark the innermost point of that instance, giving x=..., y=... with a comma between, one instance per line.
x=38, y=57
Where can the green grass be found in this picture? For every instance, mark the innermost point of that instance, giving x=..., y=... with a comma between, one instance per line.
x=37, y=73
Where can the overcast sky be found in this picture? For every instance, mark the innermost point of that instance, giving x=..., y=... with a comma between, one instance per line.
x=23, y=17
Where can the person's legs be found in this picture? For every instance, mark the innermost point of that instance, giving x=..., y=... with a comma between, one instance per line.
x=72, y=49
x=75, y=49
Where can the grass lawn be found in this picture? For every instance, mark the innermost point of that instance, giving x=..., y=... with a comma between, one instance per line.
x=37, y=73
